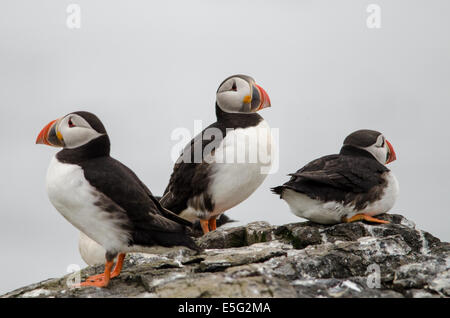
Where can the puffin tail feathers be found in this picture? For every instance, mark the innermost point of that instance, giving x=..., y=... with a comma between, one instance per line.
x=187, y=240
x=277, y=190
x=170, y=239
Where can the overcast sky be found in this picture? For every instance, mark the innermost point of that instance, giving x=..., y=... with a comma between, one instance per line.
x=147, y=69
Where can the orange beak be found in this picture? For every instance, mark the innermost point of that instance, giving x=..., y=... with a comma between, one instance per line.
x=392, y=156
x=265, y=100
x=48, y=135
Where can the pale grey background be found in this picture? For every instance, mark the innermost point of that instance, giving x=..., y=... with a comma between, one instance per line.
x=146, y=69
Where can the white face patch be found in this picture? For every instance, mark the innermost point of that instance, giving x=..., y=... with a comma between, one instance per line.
x=76, y=131
x=231, y=95
x=379, y=150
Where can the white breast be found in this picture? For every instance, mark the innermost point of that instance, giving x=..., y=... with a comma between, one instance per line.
x=313, y=210
x=94, y=254
x=91, y=252
x=235, y=180
x=73, y=197
x=239, y=165
x=388, y=198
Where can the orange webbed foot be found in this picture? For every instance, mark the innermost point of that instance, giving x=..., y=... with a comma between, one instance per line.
x=102, y=280
x=94, y=278
x=96, y=281
x=365, y=217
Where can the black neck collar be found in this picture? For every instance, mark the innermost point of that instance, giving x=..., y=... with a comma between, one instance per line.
x=98, y=147
x=237, y=120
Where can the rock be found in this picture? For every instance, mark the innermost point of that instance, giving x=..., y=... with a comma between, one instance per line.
x=258, y=232
x=299, y=235
x=218, y=260
x=292, y=260
x=433, y=275
x=223, y=238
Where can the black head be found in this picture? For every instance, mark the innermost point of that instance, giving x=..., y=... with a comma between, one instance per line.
x=373, y=142
x=72, y=130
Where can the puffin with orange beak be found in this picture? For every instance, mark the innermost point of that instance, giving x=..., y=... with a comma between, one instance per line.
x=102, y=197
x=206, y=181
x=350, y=186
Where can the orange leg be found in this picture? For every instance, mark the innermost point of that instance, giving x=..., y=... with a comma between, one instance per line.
x=102, y=280
x=115, y=272
x=212, y=224
x=204, y=224
x=118, y=266
x=365, y=217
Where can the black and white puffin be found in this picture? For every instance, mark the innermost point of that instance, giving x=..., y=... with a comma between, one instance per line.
x=204, y=189
x=350, y=186
x=102, y=197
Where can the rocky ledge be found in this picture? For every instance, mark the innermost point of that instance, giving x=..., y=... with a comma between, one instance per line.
x=293, y=260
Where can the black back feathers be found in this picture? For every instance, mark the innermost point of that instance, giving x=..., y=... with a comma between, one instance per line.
x=351, y=178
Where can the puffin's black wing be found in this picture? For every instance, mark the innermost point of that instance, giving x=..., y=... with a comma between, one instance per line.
x=338, y=178
x=148, y=225
x=349, y=173
x=191, y=178
x=162, y=210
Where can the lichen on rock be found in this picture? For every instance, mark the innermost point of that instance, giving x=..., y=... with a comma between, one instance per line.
x=292, y=260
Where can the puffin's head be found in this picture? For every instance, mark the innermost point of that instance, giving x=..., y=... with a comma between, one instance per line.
x=240, y=94
x=71, y=131
x=373, y=142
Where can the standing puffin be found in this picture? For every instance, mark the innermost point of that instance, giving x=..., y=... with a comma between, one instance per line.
x=103, y=198
x=202, y=189
x=350, y=186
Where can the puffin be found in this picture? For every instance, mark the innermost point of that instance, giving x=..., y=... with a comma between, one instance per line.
x=206, y=181
x=103, y=198
x=346, y=187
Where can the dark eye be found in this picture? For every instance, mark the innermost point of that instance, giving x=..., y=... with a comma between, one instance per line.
x=382, y=144
x=234, y=87
x=71, y=123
